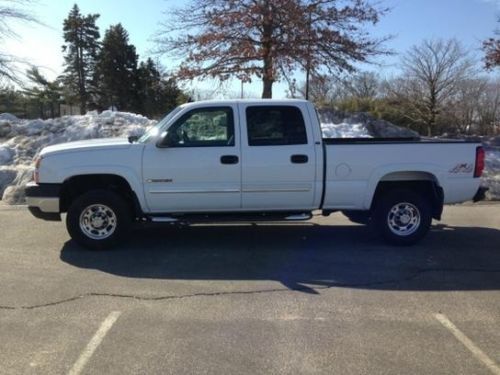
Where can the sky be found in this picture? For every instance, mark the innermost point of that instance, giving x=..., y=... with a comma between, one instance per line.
x=409, y=22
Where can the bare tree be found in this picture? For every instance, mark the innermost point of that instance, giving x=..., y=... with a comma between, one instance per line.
x=489, y=108
x=491, y=48
x=465, y=107
x=432, y=72
x=324, y=90
x=363, y=85
x=268, y=38
x=12, y=11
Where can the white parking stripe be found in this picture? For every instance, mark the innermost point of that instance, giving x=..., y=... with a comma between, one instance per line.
x=478, y=353
x=94, y=343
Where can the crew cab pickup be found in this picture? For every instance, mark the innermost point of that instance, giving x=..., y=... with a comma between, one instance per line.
x=250, y=160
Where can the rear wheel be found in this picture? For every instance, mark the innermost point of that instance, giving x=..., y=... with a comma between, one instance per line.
x=98, y=219
x=403, y=217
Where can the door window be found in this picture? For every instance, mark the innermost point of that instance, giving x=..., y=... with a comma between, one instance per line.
x=204, y=127
x=275, y=125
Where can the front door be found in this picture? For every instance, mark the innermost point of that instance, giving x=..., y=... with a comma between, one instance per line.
x=198, y=168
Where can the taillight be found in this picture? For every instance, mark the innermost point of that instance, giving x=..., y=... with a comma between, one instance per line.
x=480, y=154
x=36, y=174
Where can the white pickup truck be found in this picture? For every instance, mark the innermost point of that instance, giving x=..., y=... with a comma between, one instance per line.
x=250, y=160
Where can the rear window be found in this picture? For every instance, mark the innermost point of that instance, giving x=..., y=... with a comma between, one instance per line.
x=275, y=125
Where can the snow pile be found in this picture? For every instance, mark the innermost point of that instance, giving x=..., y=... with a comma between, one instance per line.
x=8, y=117
x=6, y=155
x=338, y=124
x=22, y=140
x=344, y=130
x=491, y=176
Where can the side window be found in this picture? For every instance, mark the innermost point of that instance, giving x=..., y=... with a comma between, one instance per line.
x=203, y=127
x=275, y=125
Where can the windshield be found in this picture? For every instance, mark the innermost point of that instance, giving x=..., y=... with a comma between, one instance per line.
x=159, y=127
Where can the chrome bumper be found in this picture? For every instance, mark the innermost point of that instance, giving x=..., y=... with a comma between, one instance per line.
x=45, y=204
x=43, y=201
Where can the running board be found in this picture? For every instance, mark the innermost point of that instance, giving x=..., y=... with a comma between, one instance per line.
x=299, y=217
x=163, y=219
x=231, y=217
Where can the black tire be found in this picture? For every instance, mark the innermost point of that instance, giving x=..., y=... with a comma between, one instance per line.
x=107, y=208
x=405, y=204
x=358, y=217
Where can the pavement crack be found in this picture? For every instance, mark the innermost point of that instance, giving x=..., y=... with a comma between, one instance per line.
x=292, y=286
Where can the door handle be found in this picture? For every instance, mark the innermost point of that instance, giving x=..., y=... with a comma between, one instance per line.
x=299, y=159
x=229, y=159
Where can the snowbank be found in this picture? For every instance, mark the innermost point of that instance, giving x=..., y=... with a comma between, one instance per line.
x=22, y=140
x=338, y=124
x=7, y=117
x=491, y=176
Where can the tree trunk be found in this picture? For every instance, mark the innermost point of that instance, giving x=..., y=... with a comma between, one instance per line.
x=267, y=53
x=433, y=109
x=267, y=93
x=81, y=81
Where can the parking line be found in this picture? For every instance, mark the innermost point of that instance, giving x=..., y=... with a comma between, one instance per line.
x=460, y=336
x=94, y=343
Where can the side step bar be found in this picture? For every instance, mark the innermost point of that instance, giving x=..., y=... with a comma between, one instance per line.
x=231, y=217
x=163, y=219
x=298, y=217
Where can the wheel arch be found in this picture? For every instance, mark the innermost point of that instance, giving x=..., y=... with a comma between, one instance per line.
x=76, y=185
x=423, y=182
x=427, y=182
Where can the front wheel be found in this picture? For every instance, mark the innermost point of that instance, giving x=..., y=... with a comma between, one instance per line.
x=403, y=217
x=98, y=219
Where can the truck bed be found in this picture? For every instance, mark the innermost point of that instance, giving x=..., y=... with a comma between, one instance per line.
x=354, y=167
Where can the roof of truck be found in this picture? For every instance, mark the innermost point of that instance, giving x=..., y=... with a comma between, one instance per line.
x=226, y=101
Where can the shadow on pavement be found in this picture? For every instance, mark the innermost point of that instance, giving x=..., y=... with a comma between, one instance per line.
x=304, y=257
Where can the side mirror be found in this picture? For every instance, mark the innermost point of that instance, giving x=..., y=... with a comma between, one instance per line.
x=164, y=141
x=133, y=139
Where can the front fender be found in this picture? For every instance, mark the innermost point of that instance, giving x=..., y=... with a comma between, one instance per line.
x=128, y=174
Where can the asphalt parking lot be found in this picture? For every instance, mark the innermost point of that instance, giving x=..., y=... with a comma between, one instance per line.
x=320, y=298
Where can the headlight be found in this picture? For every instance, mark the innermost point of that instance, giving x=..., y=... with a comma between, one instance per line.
x=36, y=174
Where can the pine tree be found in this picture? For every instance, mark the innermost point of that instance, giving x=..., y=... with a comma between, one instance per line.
x=44, y=93
x=158, y=94
x=81, y=35
x=116, y=71
x=149, y=78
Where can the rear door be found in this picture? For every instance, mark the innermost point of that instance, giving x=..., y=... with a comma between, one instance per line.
x=279, y=157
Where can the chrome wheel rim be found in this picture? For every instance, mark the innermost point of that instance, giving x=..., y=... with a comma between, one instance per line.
x=98, y=221
x=403, y=219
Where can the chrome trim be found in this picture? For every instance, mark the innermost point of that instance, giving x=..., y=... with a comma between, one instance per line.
x=276, y=190
x=48, y=205
x=298, y=217
x=160, y=180
x=194, y=191
x=163, y=219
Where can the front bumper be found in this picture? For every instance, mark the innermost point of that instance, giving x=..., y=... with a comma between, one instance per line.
x=480, y=195
x=43, y=200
